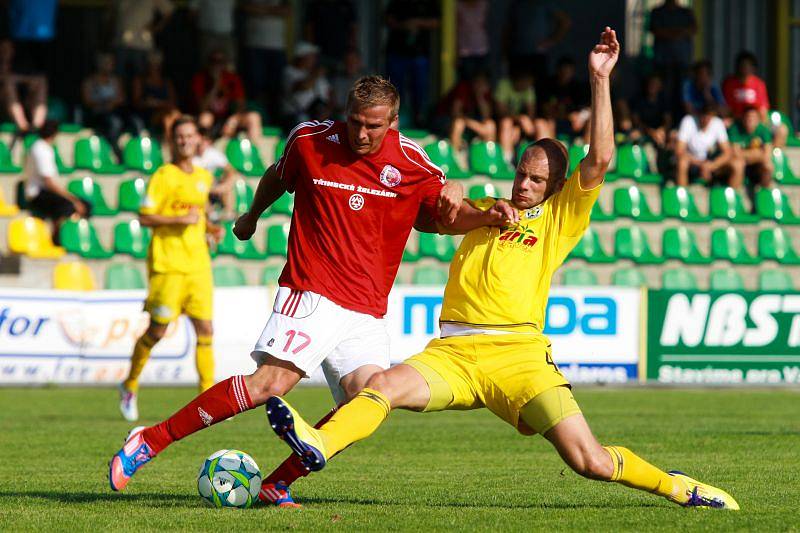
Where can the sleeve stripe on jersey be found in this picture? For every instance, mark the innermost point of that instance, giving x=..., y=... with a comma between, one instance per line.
x=293, y=137
x=405, y=143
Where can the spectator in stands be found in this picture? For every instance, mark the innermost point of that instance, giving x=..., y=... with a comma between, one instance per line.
x=468, y=106
x=103, y=97
x=307, y=91
x=566, y=100
x=332, y=25
x=153, y=96
x=344, y=80
x=214, y=161
x=703, y=150
x=30, y=111
x=700, y=89
x=411, y=24
x=673, y=28
x=744, y=89
x=472, y=37
x=752, y=140
x=535, y=26
x=220, y=101
x=44, y=191
x=265, y=50
x=137, y=24
x=515, y=100
x=215, y=23
x=651, y=112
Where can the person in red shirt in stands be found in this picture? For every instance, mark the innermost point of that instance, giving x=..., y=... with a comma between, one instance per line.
x=359, y=186
x=220, y=100
x=744, y=89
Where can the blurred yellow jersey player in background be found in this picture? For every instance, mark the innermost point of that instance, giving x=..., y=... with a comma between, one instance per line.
x=178, y=261
x=492, y=352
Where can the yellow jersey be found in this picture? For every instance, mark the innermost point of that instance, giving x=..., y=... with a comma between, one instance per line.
x=171, y=192
x=500, y=276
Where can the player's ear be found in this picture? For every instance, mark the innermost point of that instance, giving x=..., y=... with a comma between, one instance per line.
x=395, y=123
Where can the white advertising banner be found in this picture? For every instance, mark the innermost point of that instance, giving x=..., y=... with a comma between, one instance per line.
x=63, y=337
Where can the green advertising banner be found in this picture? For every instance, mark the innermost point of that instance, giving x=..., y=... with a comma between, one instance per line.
x=723, y=338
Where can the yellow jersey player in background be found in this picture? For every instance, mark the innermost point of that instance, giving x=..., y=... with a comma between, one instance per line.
x=178, y=261
x=492, y=352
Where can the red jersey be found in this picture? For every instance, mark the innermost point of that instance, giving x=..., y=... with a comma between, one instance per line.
x=739, y=96
x=352, y=213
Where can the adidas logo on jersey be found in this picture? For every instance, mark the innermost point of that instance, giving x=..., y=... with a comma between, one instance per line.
x=333, y=138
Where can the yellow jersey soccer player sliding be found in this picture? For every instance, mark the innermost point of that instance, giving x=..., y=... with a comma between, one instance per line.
x=492, y=352
x=178, y=262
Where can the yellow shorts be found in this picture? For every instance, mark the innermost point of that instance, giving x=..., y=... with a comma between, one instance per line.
x=173, y=293
x=500, y=372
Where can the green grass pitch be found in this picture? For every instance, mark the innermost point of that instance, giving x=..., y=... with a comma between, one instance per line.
x=442, y=471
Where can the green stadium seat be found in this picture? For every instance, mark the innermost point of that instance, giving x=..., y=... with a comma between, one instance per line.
x=775, y=281
x=282, y=206
x=484, y=190
x=271, y=131
x=728, y=244
x=280, y=146
x=242, y=196
x=590, y=249
x=142, y=154
x=231, y=245
x=677, y=202
x=89, y=190
x=244, y=157
x=629, y=277
x=95, y=154
x=426, y=275
x=443, y=156
x=441, y=247
x=132, y=238
x=7, y=165
x=270, y=274
x=776, y=245
x=678, y=279
x=777, y=118
x=630, y=202
x=681, y=244
x=632, y=163
x=578, y=276
x=80, y=237
x=631, y=243
x=123, y=276
x=228, y=276
x=726, y=279
x=726, y=203
x=774, y=204
x=487, y=158
x=130, y=195
x=783, y=173
x=413, y=133
x=278, y=239
x=576, y=155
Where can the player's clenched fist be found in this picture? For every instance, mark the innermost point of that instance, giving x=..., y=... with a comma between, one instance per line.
x=502, y=213
x=450, y=198
x=245, y=227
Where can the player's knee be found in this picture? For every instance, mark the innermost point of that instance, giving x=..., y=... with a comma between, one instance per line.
x=379, y=382
x=156, y=332
x=594, y=465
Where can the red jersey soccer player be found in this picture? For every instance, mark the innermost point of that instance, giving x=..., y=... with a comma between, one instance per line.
x=359, y=187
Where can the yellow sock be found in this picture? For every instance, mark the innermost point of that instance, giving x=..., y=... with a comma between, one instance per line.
x=141, y=353
x=633, y=471
x=204, y=357
x=356, y=420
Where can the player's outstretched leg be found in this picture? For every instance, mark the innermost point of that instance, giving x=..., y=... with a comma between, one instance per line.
x=224, y=400
x=305, y=441
x=135, y=453
x=555, y=415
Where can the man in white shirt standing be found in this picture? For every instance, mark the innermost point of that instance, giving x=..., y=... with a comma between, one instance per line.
x=703, y=150
x=137, y=23
x=214, y=161
x=44, y=191
x=215, y=26
x=306, y=90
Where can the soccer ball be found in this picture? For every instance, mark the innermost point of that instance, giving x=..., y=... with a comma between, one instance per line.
x=229, y=478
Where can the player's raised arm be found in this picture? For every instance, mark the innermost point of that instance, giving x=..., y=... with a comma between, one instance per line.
x=270, y=188
x=602, y=59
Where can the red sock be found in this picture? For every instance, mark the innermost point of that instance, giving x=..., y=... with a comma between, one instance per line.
x=292, y=468
x=223, y=400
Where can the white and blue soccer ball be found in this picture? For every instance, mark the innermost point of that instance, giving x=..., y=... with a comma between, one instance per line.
x=229, y=478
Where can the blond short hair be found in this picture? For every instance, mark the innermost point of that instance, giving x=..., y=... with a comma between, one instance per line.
x=371, y=91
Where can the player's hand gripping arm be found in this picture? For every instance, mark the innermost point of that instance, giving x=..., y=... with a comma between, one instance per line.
x=469, y=218
x=269, y=189
x=601, y=128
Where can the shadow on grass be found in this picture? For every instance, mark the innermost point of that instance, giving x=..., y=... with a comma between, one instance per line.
x=476, y=505
x=153, y=499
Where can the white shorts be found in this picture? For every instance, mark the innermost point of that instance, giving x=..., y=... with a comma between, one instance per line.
x=308, y=330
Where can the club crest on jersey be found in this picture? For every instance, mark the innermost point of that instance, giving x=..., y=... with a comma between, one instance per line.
x=356, y=202
x=533, y=213
x=390, y=176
